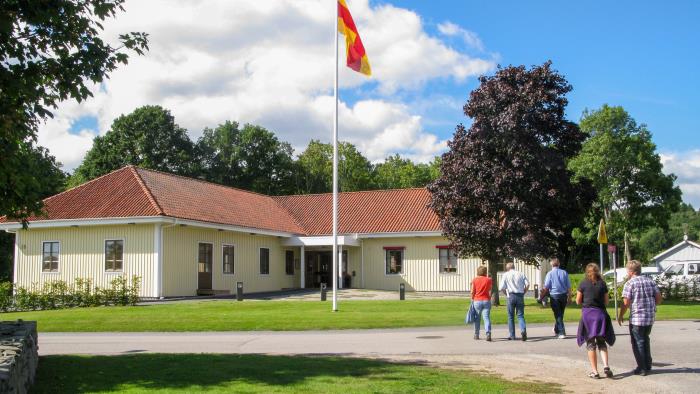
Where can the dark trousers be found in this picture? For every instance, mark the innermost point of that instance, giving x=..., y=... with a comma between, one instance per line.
x=641, y=346
x=558, y=304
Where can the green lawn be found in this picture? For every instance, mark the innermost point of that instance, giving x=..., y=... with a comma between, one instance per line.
x=215, y=373
x=292, y=315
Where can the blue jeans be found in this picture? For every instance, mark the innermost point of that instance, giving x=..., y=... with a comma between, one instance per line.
x=483, y=308
x=516, y=304
x=641, y=346
x=558, y=303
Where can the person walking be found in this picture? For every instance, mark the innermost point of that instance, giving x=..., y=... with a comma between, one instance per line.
x=558, y=285
x=514, y=285
x=481, y=299
x=595, y=328
x=641, y=296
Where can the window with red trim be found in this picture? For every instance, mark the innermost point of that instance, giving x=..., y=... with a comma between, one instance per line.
x=448, y=260
x=394, y=260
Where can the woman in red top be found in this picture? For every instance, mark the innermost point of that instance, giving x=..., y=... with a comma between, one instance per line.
x=481, y=299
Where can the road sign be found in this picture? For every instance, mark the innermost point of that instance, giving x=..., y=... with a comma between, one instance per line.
x=612, y=248
x=602, y=235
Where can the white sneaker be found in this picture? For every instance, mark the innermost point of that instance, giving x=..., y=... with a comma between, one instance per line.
x=561, y=336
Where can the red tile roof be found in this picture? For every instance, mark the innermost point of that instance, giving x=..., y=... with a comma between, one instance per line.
x=137, y=192
x=377, y=211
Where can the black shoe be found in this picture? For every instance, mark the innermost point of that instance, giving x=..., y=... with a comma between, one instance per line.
x=644, y=372
x=524, y=335
x=488, y=337
x=476, y=337
x=637, y=371
x=511, y=338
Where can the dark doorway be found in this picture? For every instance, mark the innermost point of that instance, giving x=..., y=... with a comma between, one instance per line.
x=319, y=268
x=204, y=265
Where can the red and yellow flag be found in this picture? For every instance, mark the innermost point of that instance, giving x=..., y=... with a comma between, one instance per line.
x=355, y=51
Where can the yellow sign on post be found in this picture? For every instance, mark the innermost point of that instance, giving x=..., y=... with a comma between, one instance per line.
x=602, y=235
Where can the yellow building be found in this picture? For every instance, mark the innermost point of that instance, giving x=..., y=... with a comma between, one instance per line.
x=185, y=237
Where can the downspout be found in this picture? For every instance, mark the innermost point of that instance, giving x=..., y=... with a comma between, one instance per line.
x=362, y=261
x=16, y=258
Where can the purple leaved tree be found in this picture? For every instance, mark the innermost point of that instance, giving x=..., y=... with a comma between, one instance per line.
x=504, y=189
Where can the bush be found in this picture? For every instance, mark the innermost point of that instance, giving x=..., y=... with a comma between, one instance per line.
x=58, y=294
x=679, y=289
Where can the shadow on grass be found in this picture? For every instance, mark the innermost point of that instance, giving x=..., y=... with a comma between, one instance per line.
x=257, y=373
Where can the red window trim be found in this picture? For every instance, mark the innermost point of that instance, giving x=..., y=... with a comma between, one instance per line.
x=442, y=247
x=394, y=247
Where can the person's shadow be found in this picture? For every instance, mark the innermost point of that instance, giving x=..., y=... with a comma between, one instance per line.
x=659, y=371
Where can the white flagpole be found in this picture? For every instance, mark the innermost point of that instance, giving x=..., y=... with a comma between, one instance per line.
x=335, y=167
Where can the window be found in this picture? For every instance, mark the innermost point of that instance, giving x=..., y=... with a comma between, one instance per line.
x=693, y=269
x=264, y=261
x=50, y=254
x=228, y=259
x=114, y=255
x=205, y=257
x=394, y=260
x=676, y=269
x=289, y=262
x=448, y=260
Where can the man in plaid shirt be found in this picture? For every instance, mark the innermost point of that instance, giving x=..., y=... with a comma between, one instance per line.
x=640, y=296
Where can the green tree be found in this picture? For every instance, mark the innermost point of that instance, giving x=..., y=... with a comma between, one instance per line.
x=656, y=239
x=50, y=50
x=399, y=173
x=47, y=179
x=620, y=160
x=147, y=137
x=504, y=190
x=316, y=168
x=250, y=158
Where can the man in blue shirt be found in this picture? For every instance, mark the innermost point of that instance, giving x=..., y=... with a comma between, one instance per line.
x=557, y=285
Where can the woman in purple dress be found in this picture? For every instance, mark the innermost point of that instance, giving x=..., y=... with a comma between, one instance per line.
x=595, y=328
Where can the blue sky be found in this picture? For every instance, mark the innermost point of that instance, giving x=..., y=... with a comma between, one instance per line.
x=232, y=60
x=642, y=55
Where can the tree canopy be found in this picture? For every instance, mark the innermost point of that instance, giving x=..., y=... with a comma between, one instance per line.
x=50, y=51
x=620, y=161
x=504, y=189
x=316, y=168
x=399, y=173
x=147, y=137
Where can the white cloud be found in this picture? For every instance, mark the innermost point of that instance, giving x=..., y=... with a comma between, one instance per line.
x=469, y=37
x=271, y=63
x=686, y=166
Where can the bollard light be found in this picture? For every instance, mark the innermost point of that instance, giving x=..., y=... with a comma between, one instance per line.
x=323, y=291
x=402, y=291
x=239, y=291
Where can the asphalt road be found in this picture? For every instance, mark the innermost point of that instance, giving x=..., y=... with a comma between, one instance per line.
x=675, y=348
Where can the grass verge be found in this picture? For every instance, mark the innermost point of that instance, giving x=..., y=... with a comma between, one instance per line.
x=293, y=315
x=216, y=373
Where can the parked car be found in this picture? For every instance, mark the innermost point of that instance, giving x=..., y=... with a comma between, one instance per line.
x=651, y=272
x=687, y=269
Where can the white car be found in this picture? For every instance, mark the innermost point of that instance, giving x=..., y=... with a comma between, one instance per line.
x=651, y=272
x=688, y=269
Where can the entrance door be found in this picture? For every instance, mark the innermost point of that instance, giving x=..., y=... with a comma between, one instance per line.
x=204, y=266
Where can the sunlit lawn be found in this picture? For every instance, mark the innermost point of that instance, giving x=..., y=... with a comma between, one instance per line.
x=216, y=373
x=228, y=315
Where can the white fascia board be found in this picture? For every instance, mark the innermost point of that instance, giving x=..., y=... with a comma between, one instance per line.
x=404, y=234
x=347, y=240
x=85, y=222
x=11, y=227
x=671, y=250
x=227, y=227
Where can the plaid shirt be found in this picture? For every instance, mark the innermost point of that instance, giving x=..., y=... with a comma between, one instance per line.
x=641, y=292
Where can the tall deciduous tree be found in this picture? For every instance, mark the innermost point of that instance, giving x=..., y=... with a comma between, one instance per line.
x=316, y=168
x=147, y=137
x=504, y=189
x=49, y=52
x=400, y=173
x=620, y=160
x=251, y=158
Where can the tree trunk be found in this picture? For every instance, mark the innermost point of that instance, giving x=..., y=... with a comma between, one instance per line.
x=493, y=272
x=628, y=255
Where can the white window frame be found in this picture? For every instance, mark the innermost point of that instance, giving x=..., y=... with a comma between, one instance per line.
x=233, y=263
x=104, y=256
x=456, y=260
x=58, y=269
x=269, y=261
x=403, y=260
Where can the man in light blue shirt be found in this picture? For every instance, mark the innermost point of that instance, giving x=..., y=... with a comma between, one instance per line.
x=514, y=285
x=557, y=284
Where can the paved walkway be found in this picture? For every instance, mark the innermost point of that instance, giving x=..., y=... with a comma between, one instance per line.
x=675, y=347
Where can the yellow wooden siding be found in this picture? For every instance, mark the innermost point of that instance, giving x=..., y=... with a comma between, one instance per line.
x=421, y=266
x=180, y=249
x=82, y=255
